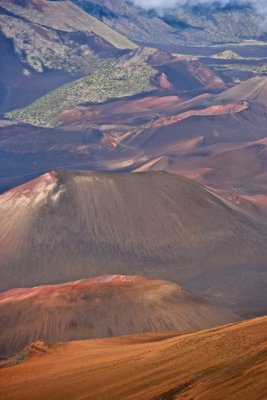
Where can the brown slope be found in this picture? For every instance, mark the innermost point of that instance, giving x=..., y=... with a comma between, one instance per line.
x=120, y=112
x=67, y=225
x=67, y=17
x=224, y=363
x=109, y=305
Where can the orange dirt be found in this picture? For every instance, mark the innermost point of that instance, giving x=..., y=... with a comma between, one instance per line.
x=223, y=363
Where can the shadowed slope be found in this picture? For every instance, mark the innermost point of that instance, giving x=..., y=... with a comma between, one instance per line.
x=108, y=305
x=224, y=363
x=66, y=225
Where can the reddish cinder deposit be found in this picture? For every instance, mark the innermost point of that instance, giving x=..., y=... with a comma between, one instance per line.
x=107, y=305
x=34, y=189
x=102, y=282
x=120, y=111
x=212, y=110
x=19, y=206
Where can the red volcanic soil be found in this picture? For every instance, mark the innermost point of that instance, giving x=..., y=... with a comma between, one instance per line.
x=223, y=363
x=34, y=188
x=108, y=305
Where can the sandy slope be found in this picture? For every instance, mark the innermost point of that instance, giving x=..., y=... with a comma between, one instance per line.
x=224, y=363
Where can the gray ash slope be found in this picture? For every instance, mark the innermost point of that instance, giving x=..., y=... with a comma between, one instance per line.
x=68, y=225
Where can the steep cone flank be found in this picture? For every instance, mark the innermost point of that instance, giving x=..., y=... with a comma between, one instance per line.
x=64, y=226
x=109, y=305
x=224, y=363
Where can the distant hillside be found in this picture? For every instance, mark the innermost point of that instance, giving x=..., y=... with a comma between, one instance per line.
x=199, y=25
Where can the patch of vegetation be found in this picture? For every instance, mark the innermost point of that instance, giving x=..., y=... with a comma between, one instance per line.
x=109, y=79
